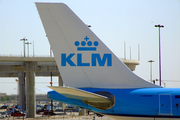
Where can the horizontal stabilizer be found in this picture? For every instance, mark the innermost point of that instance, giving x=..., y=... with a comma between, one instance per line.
x=93, y=99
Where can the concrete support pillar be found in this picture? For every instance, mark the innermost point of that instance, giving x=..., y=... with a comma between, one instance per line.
x=21, y=90
x=60, y=84
x=30, y=90
x=30, y=95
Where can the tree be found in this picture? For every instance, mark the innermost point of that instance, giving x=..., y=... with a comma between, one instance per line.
x=3, y=99
x=8, y=98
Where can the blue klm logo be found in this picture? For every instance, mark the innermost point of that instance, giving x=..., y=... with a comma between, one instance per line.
x=94, y=56
x=89, y=43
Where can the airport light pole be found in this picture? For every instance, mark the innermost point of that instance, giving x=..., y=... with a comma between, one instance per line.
x=33, y=48
x=24, y=39
x=51, y=99
x=159, y=26
x=150, y=69
x=28, y=46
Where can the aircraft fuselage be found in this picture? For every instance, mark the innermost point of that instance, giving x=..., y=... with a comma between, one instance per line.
x=142, y=102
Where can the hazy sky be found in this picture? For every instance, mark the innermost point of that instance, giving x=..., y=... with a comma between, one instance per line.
x=112, y=21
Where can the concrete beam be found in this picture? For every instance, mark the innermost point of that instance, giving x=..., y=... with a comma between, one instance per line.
x=15, y=74
x=8, y=74
x=43, y=74
x=14, y=68
x=7, y=68
x=26, y=59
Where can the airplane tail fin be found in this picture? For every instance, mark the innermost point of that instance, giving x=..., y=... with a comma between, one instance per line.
x=82, y=58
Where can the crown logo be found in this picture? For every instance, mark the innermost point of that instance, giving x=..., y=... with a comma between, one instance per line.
x=86, y=45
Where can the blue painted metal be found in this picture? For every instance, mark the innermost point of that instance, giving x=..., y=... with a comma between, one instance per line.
x=165, y=106
x=145, y=102
x=86, y=38
x=86, y=49
x=84, y=43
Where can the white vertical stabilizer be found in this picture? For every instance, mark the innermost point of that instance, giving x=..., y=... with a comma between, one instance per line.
x=82, y=58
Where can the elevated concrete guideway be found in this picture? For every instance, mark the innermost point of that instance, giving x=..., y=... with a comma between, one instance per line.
x=10, y=66
x=26, y=68
x=44, y=64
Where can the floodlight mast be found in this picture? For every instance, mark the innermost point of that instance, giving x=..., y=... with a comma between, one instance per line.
x=28, y=46
x=24, y=39
x=160, y=26
x=151, y=69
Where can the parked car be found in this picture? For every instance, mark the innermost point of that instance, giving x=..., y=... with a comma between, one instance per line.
x=18, y=113
x=3, y=107
x=40, y=111
x=58, y=109
x=46, y=112
x=23, y=111
x=99, y=115
x=3, y=114
x=7, y=114
x=69, y=108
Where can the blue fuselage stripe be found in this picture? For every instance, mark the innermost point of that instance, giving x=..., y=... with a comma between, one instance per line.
x=134, y=102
